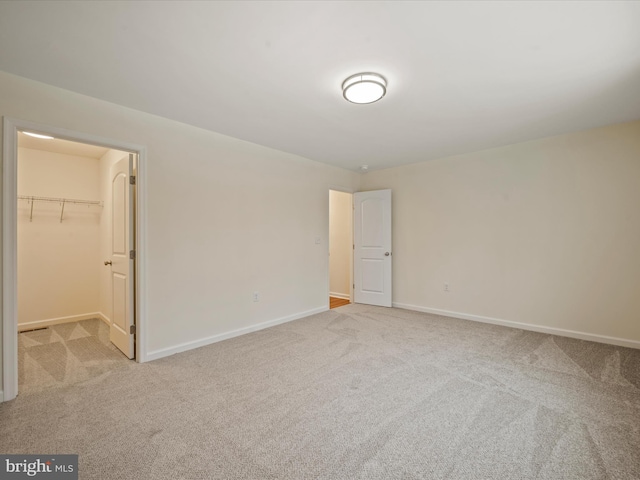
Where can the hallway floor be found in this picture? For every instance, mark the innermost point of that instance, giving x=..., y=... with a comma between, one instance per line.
x=335, y=302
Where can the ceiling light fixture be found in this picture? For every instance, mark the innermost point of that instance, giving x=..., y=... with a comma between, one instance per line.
x=364, y=88
x=37, y=135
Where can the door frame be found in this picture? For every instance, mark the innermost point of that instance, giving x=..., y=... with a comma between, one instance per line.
x=9, y=240
x=328, y=269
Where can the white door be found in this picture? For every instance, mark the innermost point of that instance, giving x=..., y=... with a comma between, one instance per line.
x=122, y=274
x=372, y=247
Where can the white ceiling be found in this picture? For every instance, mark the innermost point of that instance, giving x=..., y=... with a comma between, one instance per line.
x=462, y=76
x=58, y=145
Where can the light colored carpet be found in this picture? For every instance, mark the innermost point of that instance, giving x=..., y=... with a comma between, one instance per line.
x=65, y=354
x=357, y=392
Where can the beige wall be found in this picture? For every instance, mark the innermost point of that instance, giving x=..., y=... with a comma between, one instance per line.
x=545, y=232
x=340, y=242
x=57, y=261
x=225, y=217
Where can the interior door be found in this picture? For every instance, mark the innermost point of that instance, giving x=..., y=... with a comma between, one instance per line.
x=372, y=248
x=122, y=265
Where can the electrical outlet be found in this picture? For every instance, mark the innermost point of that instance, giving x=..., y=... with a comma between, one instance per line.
x=256, y=296
x=446, y=287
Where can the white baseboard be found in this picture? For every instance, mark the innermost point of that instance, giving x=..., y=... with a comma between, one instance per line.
x=54, y=321
x=183, y=347
x=622, y=342
x=344, y=296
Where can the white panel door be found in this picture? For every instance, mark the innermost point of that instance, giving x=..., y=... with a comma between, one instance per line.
x=372, y=247
x=122, y=275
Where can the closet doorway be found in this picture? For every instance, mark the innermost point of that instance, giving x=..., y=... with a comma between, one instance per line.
x=340, y=248
x=70, y=226
x=72, y=211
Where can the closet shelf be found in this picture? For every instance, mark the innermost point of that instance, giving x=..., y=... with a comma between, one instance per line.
x=62, y=201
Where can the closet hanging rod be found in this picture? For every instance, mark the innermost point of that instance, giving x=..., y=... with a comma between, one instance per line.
x=60, y=200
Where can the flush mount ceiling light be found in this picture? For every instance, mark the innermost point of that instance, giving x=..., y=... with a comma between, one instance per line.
x=364, y=88
x=37, y=135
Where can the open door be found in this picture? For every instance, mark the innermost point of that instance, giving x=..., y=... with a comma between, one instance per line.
x=122, y=256
x=372, y=248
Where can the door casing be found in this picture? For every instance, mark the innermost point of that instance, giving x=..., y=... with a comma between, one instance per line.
x=9, y=240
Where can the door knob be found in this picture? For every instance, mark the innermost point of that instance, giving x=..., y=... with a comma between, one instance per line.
x=386, y=254
x=108, y=262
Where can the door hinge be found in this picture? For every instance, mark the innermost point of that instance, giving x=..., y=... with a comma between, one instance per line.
x=132, y=180
x=132, y=329
x=354, y=247
x=132, y=254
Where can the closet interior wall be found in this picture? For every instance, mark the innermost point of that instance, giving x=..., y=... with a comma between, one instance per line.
x=61, y=247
